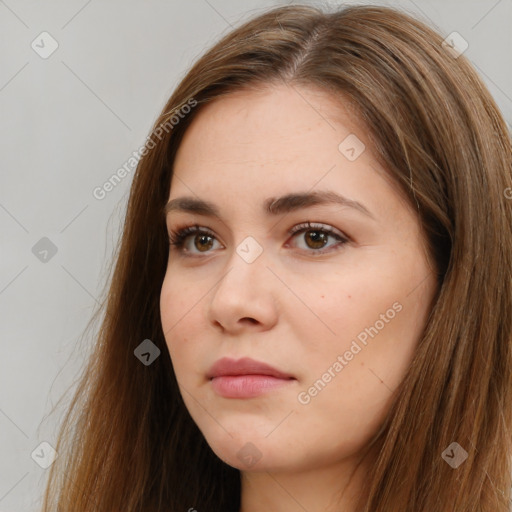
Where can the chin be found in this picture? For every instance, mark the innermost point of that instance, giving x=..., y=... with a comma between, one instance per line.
x=247, y=452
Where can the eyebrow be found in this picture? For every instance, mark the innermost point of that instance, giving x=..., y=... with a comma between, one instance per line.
x=272, y=206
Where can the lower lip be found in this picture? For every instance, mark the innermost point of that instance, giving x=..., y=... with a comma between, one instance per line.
x=246, y=386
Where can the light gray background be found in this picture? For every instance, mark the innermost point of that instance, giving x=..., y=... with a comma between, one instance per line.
x=67, y=124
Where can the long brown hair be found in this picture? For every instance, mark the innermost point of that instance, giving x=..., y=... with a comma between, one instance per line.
x=128, y=443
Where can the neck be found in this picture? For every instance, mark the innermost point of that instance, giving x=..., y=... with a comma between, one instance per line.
x=326, y=489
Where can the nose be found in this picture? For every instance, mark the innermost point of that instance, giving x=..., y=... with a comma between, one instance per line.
x=244, y=297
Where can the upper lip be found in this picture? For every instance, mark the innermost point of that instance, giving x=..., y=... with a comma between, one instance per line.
x=244, y=366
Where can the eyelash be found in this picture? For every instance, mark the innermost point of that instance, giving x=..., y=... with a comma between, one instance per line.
x=177, y=238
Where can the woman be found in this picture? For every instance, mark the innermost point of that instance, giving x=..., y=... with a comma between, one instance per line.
x=311, y=307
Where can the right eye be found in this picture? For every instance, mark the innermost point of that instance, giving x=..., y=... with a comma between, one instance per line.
x=203, y=239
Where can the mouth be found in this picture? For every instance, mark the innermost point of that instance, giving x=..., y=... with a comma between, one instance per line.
x=246, y=378
x=246, y=386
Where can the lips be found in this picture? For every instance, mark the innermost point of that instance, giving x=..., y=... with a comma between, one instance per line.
x=245, y=366
x=246, y=378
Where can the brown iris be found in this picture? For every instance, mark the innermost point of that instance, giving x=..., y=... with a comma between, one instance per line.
x=203, y=238
x=317, y=238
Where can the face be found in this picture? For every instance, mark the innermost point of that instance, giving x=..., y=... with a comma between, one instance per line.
x=333, y=293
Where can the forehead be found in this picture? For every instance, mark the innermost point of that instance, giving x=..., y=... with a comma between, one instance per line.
x=274, y=113
x=254, y=144
x=278, y=127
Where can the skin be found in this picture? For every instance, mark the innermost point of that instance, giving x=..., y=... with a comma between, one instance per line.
x=292, y=308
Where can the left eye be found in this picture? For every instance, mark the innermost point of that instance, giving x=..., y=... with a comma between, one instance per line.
x=316, y=237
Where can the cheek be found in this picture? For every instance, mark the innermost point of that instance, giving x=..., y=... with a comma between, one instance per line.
x=350, y=378
x=179, y=318
x=178, y=300
x=372, y=325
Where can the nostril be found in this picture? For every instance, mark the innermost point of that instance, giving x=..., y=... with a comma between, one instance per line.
x=250, y=320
